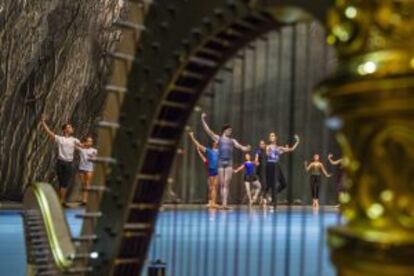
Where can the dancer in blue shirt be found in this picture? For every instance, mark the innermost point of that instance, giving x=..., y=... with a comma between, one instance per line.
x=211, y=161
x=250, y=178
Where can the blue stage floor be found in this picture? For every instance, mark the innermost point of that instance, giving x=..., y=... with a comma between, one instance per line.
x=197, y=242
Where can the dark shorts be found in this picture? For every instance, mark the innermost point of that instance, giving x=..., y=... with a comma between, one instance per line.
x=250, y=178
x=212, y=172
x=64, y=172
x=225, y=163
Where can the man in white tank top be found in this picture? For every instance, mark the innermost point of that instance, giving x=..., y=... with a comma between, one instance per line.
x=66, y=145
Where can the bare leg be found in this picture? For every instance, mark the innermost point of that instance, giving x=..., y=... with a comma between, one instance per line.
x=228, y=173
x=214, y=190
x=258, y=188
x=248, y=192
x=87, y=176
x=82, y=180
x=210, y=192
x=221, y=183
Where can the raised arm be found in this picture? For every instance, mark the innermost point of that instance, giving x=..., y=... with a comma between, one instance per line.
x=256, y=159
x=241, y=147
x=292, y=148
x=308, y=166
x=239, y=168
x=207, y=129
x=324, y=171
x=200, y=153
x=196, y=143
x=334, y=162
x=50, y=133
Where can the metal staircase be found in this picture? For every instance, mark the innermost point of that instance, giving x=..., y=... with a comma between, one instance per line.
x=50, y=248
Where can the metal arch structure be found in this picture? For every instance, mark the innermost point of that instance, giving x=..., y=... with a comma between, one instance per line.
x=165, y=72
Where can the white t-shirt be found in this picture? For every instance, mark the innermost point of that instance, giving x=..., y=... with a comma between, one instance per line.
x=85, y=163
x=66, y=147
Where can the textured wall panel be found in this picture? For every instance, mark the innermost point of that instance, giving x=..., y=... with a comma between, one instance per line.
x=52, y=62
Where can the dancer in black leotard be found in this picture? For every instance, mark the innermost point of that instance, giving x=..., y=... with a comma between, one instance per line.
x=225, y=156
x=260, y=159
x=274, y=172
x=316, y=168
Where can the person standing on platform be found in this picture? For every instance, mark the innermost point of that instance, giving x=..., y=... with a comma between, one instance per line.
x=274, y=174
x=66, y=145
x=316, y=168
x=211, y=162
x=226, y=144
x=86, y=166
x=260, y=160
x=250, y=178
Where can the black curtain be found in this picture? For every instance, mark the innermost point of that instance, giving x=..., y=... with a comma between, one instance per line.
x=266, y=87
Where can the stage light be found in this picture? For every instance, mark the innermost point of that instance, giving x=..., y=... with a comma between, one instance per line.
x=334, y=123
x=351, y=12
x=94, y=255
x=344, y=197
x=366, y=68
x=387, y=196
x=375, y=211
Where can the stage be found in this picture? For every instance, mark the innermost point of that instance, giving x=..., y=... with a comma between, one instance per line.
x=191, y=240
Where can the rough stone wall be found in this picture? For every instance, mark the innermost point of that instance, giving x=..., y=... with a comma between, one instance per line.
x=52, y=61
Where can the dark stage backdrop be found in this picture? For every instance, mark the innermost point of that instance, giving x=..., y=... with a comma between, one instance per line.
x=266, y=87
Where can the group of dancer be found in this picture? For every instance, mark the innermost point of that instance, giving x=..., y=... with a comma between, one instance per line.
x=67, y=145
x=260, y=167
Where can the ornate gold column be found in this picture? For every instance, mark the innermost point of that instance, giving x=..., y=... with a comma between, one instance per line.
x=370, y=100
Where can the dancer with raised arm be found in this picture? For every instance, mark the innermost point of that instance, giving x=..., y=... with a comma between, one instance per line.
x=274, y=172
x=251, y=180
x=211, y=163
x=66, y=145
x=202, y=156
x=260, y=160
x=226, y=144
x=87, y=154
x=339, y=176
x=316, y=168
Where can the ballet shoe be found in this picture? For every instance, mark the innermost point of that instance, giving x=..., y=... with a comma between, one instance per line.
x=213, y=206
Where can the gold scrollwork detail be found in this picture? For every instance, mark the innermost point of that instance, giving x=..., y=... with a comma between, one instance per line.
x=357, y=27
x=383, y=198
